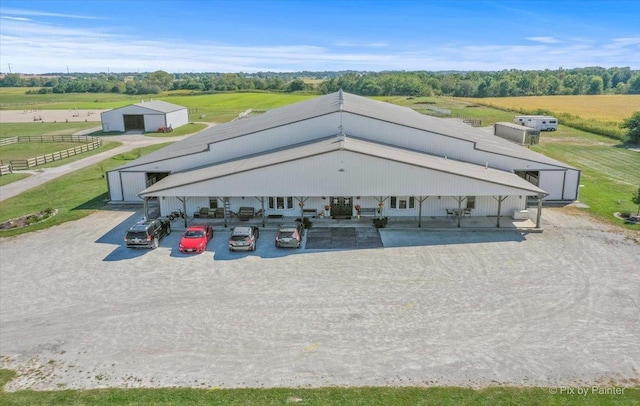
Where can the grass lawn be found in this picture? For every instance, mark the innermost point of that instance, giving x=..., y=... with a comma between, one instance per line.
x=12, y=177
x=26, y=150
x=610, y=172
x=75, y=195
x=322, y=396
x=24, y=129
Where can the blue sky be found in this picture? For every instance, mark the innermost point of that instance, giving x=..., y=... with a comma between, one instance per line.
x=250, y=36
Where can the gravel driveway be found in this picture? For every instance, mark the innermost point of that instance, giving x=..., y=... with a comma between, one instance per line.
x=470, y=308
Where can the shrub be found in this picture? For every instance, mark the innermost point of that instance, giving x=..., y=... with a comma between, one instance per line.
x=380, y=222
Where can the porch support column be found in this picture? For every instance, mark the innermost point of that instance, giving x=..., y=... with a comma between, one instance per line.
x=224, y=209
x=301, y=201
x=381, y=201
x=261, y=199
x=421, y=199
x=184, y=199
x=145, y=205
x=460, y=199
x=500, y=199
x=539, y=214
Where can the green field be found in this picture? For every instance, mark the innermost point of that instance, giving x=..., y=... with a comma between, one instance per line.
x=218, y=108
x=386, y=396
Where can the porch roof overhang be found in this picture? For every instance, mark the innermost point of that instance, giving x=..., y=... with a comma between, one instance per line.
x=343, y=166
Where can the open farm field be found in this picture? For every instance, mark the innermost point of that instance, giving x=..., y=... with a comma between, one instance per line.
x=596, y=107
x=221, y=107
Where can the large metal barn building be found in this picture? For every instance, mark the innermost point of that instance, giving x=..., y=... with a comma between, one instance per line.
x=145, y=117
x=342, y=154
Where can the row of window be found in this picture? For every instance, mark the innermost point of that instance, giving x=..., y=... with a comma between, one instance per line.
x=284, y=203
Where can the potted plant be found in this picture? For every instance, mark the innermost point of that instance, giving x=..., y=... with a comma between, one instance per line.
x=380, y=222
x=357, y=210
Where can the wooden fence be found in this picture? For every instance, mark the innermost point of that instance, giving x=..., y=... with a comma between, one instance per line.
x=89, y=144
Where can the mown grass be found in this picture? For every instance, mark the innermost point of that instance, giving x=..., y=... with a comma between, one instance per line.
x=321, y=396
x=610, y=173
x=26, y=150
x=12, y=177
x=75, y=195
x=31, y=129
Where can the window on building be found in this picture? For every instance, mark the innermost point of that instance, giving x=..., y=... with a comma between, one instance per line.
x=396, y=202
x=213, y=203
x=471, y=202
x=280, y=203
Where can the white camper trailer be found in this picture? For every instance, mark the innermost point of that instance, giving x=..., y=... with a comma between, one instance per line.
x=541, y=123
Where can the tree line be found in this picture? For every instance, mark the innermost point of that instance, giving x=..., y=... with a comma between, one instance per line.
x=505, y=83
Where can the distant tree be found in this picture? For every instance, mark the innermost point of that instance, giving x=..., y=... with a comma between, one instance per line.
x=12, y=80
x=296, y=86
x=634, y=84
x=633, y=125
x=596, y=85
x=636, y=199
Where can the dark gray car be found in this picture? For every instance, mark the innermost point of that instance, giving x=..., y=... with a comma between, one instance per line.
x=147, y=233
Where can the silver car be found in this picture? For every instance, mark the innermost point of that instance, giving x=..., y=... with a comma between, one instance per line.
x=244, y=238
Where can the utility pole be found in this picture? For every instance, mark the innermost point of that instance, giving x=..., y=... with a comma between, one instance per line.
x=9, y=68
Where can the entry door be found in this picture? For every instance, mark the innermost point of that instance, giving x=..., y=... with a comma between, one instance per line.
x=341, y=206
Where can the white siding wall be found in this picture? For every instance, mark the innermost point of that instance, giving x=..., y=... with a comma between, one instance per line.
x=153, y=121
x=112, y=120
x=484, y=205
x=362, y=175
x=279, y=137
x=132, y=184
x=115, y=187
x=552, y=181
x=571, y=186
x=453, y=148
x=177, y=118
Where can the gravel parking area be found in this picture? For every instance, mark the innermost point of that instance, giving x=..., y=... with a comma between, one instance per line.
x=470, y=308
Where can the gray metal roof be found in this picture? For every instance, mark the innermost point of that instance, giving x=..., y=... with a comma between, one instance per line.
x=346, y=102
x=333, y=144
x=159, y=106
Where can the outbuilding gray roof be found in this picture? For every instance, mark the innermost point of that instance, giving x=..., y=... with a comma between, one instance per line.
x=159, y=106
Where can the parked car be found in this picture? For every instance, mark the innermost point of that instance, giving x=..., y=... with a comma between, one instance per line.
x=147, y=233
x=244, y=238
x=196, y=238
x=290, y=235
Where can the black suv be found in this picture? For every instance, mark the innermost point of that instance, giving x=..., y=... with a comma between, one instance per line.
x=147, y=233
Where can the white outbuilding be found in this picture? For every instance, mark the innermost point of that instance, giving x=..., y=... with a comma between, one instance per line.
x=145, y=117
x=344, y=155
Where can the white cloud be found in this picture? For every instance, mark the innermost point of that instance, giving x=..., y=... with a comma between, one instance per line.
x=16, y=18
x=38, y=48
x=35, y=13
x=544, y=40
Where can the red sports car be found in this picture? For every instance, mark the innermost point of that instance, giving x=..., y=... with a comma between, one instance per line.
x=196, y=238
